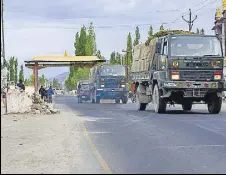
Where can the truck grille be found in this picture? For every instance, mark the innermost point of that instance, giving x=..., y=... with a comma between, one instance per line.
x=111, y=83
x=197, y=75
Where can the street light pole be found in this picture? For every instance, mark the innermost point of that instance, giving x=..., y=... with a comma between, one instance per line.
x=127, y=64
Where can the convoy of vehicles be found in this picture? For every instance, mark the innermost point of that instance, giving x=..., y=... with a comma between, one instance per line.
x=172, y=67
x=179, y=67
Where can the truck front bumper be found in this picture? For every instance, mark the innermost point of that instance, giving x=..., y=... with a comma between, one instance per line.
x=111, y=93
x=195, y=89
x=194, y=85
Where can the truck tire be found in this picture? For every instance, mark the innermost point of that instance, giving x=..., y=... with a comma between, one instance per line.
x=142, y=106
x=117, y=101
x=214, y=105
x=97, y=100
x=187, y=106
x=93, y=101
x=158, y=103
x=125, y=100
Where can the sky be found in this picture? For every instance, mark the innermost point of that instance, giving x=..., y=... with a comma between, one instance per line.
x=48, y=27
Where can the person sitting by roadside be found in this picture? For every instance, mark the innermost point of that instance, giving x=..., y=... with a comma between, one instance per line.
x=21, y=85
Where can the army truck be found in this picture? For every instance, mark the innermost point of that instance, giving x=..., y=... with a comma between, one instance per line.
x=179, y=67
x=84, y=92
x=109, y=82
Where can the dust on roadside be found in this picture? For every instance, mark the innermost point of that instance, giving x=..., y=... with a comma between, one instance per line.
x=43, y=144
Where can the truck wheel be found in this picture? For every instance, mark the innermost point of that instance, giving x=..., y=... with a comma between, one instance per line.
x=142, y=106
x=214, y=105
x=158, y=103
x=93, y=101
x=187, y=105
x=124, y=100
x=117, y=101
x=98, y=100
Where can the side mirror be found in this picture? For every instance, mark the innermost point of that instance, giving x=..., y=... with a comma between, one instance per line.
x=158, y=47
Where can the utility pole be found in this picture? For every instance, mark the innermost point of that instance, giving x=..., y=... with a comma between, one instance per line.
x=4, y=71
x=126, y=64
x=223, y=25
x=190, y=21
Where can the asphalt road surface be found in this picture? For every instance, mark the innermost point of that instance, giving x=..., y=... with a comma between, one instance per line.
x=131, y=141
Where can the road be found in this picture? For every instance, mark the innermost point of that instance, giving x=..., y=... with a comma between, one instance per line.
x=131, y=141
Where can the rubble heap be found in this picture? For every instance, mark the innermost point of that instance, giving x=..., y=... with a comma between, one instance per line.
x=40, y=107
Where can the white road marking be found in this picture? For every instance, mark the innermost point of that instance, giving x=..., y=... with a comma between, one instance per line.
x=99, y=132
x=186, y=146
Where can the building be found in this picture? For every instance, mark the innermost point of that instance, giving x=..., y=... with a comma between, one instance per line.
x=219, y=23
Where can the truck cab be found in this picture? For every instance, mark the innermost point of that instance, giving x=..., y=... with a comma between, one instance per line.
x=109, y=82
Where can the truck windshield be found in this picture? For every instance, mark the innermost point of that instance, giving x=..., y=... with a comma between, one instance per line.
x=195, y=46
x=112, y=71
x=85, y=87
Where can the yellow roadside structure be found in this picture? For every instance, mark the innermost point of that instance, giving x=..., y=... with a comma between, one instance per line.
x=40, y=62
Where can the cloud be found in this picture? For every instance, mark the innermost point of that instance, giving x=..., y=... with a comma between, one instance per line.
x=48, y=27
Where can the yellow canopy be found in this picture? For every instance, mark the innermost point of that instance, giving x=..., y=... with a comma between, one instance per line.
x=60, y=61
x=66, y=58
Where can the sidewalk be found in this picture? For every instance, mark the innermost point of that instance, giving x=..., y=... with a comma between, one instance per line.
x=45, y=144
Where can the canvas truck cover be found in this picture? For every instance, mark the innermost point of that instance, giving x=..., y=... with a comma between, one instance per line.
x=143, y=56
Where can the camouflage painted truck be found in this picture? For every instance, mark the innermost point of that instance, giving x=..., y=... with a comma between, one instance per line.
x=179, y=67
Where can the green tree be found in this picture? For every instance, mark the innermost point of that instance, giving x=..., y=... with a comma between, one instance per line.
x=21, y=73
x=112, y=58
x=98, y=54
x=82, y=42
x=161, y=27
x=91, y=41
x=56, y=84
x=42, y=80
x=202, y=31
x=16, y=70
x=150, y=32
x=129, y=50
x=27, y=82
x=12, y=69
x=137, y=37
x=197, y=31
x=118, y=58
x=76, y=44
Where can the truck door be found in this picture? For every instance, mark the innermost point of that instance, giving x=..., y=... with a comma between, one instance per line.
x=164, y=54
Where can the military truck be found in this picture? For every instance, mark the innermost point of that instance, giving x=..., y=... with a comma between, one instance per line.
x=84, y=92
x=109, y=82
x=179, y=67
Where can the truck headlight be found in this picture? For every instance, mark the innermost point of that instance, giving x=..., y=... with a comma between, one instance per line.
x=217, y=75
x=102, y=85
x=123, y=85
x=175, y=76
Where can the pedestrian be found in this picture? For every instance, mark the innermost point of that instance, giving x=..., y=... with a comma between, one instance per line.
x=21, y=85
x=42, y=92
x=50, y=94
x=4, y=97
